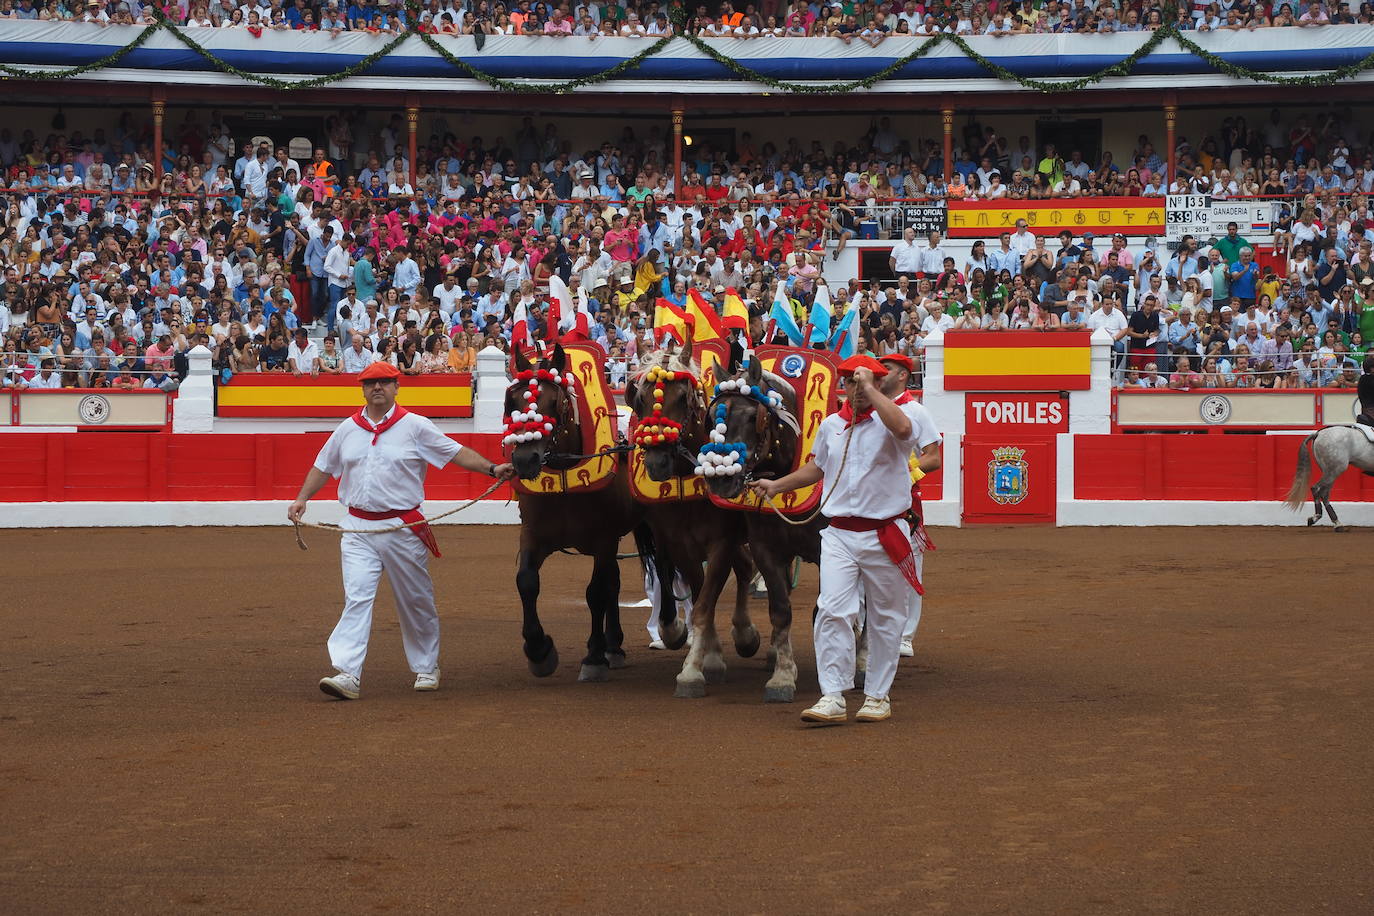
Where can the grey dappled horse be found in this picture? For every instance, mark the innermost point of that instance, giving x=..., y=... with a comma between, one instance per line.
x=1336, y=448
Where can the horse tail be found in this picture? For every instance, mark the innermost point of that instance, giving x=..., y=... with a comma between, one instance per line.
x=645, y=547
x=1297, y=494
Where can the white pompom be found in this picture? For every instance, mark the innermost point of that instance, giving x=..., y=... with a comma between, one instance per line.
x=699, y=471
x=720, y=428
x=734, y=456
x=709, y=471
x=548, y=427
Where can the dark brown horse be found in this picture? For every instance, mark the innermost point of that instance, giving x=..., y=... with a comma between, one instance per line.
x=589, y=522
x=705, y=543
x=768, y=429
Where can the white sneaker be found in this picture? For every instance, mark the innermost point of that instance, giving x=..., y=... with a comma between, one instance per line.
x=906, y=651
x=428, y=680
x=343, y=686
x=657, y=644
x=874, y=710
x=829, y=710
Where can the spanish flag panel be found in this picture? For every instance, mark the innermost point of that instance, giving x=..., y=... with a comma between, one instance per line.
x=281, y=395
x=1018, y=361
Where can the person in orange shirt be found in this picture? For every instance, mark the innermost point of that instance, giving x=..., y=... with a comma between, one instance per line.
x=729, y=17
x=322, y=170
x=463, y=356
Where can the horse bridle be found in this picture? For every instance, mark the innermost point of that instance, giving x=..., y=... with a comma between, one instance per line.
x=762, y=413
x=563, y=418
x=694, y=425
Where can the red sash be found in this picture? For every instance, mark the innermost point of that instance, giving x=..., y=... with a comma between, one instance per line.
x=361, y=419
x=896, y=544
x=409, y=516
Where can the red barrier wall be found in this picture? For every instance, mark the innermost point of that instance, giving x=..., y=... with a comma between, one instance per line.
x=166, y=467
x=1232, y=468
x=160, y=467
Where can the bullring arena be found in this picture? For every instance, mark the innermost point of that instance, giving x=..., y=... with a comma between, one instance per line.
x=1113, y=265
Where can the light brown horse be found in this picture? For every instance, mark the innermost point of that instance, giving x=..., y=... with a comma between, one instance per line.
x=705, y=543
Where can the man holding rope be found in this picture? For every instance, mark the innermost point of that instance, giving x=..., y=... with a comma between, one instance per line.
x=379, y=455
x=861, y=453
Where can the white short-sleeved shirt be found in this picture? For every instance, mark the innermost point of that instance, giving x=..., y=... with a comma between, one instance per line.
x=875, y=481
x=391, y=474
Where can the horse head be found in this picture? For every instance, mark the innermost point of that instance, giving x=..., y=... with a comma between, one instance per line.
x=541, y=412
x=755, y=434
x=670, y=410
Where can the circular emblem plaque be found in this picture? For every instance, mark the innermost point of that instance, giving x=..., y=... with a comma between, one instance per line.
x=792, y=365
x=1215, y=408
x=93, y=409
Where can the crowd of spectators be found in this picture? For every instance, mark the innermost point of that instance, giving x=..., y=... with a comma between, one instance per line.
x=868, y=22
x=320, y=264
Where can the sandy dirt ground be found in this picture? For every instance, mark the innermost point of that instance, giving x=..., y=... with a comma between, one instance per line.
x=1097, y=721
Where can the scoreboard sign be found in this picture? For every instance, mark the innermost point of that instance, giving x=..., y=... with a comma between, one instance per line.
x=1187, y=214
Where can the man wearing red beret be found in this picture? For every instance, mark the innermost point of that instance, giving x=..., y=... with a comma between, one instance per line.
x=926, y=459
x=861, y=453
x=380, y=455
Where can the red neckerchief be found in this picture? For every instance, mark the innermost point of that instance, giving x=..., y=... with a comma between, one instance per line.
x=361, y=419
x=847, y=412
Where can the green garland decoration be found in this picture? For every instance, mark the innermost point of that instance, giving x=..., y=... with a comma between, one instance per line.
x=1331, y=77
x=272, y=82
x=1122, y=67
x=505, y=85
x=109, y=60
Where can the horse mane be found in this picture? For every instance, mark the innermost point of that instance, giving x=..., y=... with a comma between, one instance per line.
x=662, y=359
x=787, y=412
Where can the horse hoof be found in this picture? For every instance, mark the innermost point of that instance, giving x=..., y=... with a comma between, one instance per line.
x=594, y=673
x=714, y=675
x=548, y=665
x=1311, y=522
x=779, y=694
x=747, y=642
x=859, y=678
x=690, y=690
x=616, y=659
x=674, y=637
x=1340, y=529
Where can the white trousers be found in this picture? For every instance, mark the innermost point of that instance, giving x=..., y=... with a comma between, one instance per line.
x=913, y=601
x=854, y=565
x=405, y=559
x=653, y=588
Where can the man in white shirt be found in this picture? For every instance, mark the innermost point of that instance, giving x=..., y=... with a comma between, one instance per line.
x=380, y=456
x=1113, y=321
x=47, y=375
x=932, y=258
x=255, y=177
x=905, y=259
x=302, y=356
x=447, y=295
x=862, y=454
x=356, y=357
x=338, y=268
x=406, y=276
x=1022, y=240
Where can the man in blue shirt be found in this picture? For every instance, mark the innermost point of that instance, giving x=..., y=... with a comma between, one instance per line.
x=1245, y=274
x=314, y=263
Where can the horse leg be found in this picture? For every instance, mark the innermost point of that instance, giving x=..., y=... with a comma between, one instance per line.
x=1316, y=506
x=742, y=630
x=540, y=652
x=782, y=685
x=704, y=662
x=615, y=636
x=603, y=588
x=1323, y=488
x=671, y=629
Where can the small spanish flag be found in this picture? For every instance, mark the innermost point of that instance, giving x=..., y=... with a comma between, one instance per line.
x=704, y=318
x=669, y=320
x=736, y=314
